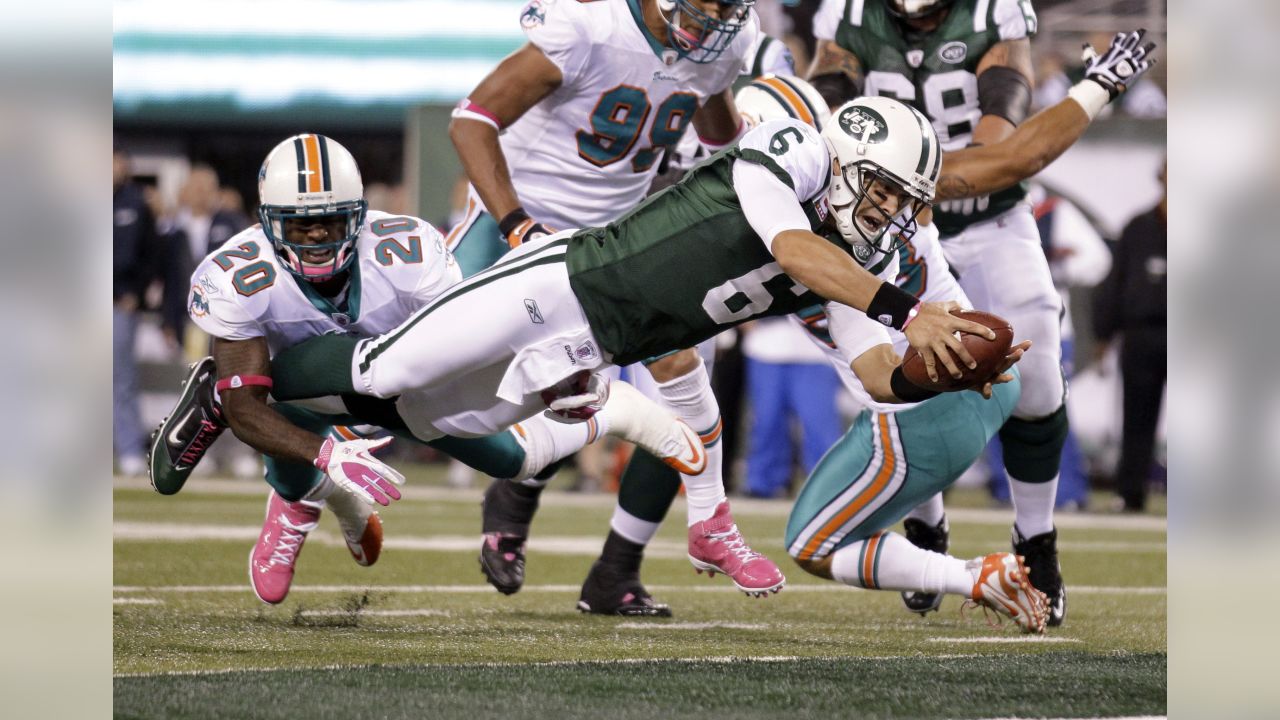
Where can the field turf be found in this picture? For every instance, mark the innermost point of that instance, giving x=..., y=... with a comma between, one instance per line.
x=420, y=635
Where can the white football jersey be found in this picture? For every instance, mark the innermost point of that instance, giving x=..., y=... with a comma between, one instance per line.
x=921, y=270
x=242, y=291
x=587, y=153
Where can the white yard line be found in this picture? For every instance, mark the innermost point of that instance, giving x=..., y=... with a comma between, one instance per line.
x=413, y=612
x=136, y=601
x=715, y=625
x=486, y=589
x=714, y=659
x=588, y=546
x=741, y=506
x=1032, y=639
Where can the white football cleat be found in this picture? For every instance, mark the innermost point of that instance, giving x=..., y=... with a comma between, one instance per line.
x=639, y=420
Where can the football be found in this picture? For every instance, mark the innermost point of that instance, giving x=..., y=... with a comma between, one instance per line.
x=988, y=353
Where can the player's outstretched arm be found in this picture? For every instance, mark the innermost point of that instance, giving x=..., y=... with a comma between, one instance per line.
x=832, y=274
x=244, y=371
x=835, y=73
x=518, y=83
x=1047, y=134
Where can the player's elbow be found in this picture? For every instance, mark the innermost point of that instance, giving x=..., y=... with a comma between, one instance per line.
x=880, y=391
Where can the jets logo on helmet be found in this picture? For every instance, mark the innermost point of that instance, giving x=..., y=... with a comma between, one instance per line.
x=313, y=182
x=864, y=123
x=885, y=161
x=772, y=97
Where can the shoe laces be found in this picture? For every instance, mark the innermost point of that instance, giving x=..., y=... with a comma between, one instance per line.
x=205, y=436
x=735, y=544
x=290, y=541
x=987, y=612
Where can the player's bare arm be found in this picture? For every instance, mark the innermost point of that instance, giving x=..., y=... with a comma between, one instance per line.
x=717, y=122
x=832, y=274
x=1005, y=78
x=835, y=72
x=518, y=83
x=246, y=409
x=1046, y=135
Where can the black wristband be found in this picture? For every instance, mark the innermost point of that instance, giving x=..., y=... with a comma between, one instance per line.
x=904, y=389
x=1004, y=92
x=891, y=306
x=512, y=219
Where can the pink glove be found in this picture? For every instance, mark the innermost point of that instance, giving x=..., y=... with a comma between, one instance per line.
x=352, y=466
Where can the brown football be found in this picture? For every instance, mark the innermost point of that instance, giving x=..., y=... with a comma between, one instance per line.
x=988, y=353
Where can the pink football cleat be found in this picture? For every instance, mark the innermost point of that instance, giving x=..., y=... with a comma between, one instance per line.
x=715, y=545
x=272, y=560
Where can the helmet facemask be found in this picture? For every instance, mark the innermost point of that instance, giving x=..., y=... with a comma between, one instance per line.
x=345, y=220
x=858, y=196
x=712, y=35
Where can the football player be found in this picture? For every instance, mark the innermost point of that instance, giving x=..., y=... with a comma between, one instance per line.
x=569, y=131
x=322, y=262
x=966, y=64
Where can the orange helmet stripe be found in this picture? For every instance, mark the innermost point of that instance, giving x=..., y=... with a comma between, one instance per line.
x=798, y=105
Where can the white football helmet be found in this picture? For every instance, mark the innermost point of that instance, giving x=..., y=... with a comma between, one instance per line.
x=772, y=97
x=912, y=9
x=878, y=143
x=310, y=176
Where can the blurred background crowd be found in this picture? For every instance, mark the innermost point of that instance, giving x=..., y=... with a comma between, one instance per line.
x=202, y=91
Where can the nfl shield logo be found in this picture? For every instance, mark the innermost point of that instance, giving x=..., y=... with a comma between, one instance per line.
x=915, y=57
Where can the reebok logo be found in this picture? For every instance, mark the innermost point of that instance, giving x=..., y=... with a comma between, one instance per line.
x=535, y=315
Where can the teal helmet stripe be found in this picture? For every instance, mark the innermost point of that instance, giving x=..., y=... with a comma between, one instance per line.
x=302, y=164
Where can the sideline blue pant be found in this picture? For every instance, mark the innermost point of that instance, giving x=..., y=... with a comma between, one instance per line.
x=778, y=393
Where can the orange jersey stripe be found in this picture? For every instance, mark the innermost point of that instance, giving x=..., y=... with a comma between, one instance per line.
x=797, y=102
x=863, y=498
x=460, y=229
x=345, y=432
x=311, y=148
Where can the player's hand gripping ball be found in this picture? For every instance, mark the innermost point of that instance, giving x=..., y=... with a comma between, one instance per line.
x=990, y=355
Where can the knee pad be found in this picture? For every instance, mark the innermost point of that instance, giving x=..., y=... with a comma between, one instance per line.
x=1033, y=448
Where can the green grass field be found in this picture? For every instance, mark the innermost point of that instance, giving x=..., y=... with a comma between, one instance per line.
x=421, y=635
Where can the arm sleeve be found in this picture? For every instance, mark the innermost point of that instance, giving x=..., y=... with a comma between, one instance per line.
x=1014, y=19
x=440, y=270
x=561, y=35
x=853, y=332
x=220, y=315
x=827, y=19
x=770, y=206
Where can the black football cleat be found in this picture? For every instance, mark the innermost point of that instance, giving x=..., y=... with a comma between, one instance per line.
x=507, y=511
x=185, y=436
x=502, y=561
x=610, y=591
x=928, y=537
x=1040, y=553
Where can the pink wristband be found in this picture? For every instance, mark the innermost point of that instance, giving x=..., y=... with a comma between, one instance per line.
x=911, y=315
x=239, y=381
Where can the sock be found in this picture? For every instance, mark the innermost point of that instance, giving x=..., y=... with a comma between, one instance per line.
x=344, y=504
x=646, y=491
x=631, y=528
x=1033, y=505
x=621, y=553
x=319, y=492
x=888, y=561
x=546, y=441
x=930, y=511
x=690, y=398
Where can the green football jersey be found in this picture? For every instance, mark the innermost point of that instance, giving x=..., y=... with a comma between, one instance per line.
x=686, y=265
x=935, y=73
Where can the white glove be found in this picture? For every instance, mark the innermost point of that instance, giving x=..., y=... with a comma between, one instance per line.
x=352, y=466
x=1123, y=62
